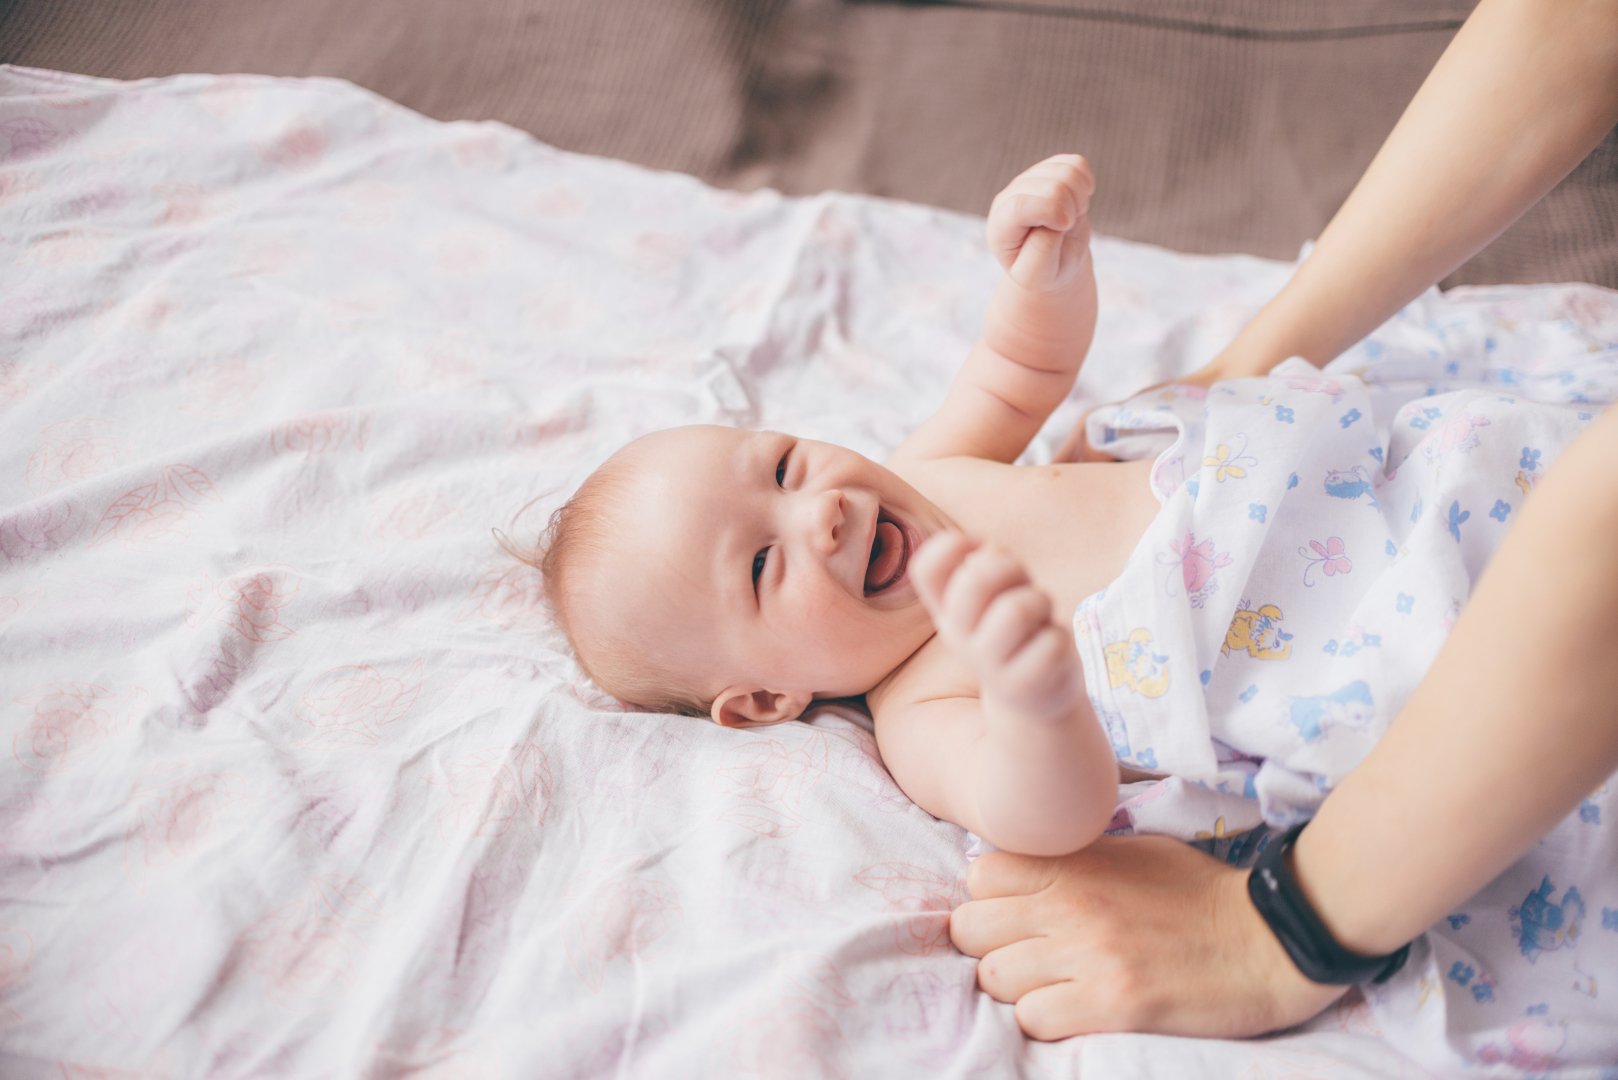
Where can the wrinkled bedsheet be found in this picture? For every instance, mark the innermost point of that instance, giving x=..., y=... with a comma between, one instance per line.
x=296, y=779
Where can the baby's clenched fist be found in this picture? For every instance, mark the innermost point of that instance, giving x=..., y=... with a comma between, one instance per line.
x=1039, y=226
x=997, y=620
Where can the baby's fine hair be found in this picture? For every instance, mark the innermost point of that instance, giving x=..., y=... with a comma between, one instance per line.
x=579, y=529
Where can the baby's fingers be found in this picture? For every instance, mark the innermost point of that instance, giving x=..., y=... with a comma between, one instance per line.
x=1009, y=623
x=933, y=564
x=980, y=579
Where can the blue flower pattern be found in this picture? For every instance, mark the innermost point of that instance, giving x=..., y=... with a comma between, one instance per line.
x=1401, y=599
x=1457, y=518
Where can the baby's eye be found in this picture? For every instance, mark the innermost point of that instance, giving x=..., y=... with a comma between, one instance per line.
x=758, y=568
x=781, y=470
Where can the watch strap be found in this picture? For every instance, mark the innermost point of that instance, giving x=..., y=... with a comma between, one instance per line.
x=1275, y=893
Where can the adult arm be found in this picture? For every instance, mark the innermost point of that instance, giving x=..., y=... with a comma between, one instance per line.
x=1523, y=93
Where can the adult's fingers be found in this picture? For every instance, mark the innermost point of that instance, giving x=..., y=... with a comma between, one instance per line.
x=1015, y=970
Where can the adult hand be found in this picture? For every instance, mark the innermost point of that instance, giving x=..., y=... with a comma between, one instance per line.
x=1130, y=934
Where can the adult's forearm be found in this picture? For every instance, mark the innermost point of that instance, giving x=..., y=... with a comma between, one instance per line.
x=1516, y=721
x=1526, y=90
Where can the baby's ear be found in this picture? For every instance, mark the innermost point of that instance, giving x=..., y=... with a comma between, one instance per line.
x=739, y=707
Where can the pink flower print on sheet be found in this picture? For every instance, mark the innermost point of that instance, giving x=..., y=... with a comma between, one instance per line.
x=256, y=604
x=492, y=791
x=1328, y=557
x=786, y=1038
x=73, y=450
x=39, y=528
x=311, y=943
x=923, y=896
x=1196, y=563
x=620, y=920
x=28, y=136
x=321, y=433
x=774, y=891
x=855, y=761
x=353, y=704
x=927, y=1017
x=414, y=516
x=69, y=720
x=510, y=595
x=765, y=779
x=220, y=386
x=162, y=509
x=249, y=602
x=177, y=818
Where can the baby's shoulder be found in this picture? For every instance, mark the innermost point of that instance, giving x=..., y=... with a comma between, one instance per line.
x=933, y=673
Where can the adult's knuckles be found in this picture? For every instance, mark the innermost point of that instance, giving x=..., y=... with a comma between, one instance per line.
x=991, y=978
x=964, y=930
x=1039, y=1020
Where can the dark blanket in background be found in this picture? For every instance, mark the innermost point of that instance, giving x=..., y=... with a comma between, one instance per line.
x=1235, y=125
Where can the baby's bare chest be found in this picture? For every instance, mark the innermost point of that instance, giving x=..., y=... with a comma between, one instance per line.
x=1072, y=526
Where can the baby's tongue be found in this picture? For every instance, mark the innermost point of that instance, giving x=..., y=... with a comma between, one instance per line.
x=885, y=555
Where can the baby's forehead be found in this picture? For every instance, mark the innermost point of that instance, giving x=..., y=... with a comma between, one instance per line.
x=688, y=459
x=669, y=476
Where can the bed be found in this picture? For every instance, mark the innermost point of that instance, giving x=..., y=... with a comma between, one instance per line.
x=299, y=780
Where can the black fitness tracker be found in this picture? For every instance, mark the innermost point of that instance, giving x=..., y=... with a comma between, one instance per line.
x=1317, y=954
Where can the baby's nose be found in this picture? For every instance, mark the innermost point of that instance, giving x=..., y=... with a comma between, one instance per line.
x=827, y=524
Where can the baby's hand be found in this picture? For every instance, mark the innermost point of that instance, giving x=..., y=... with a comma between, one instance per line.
x=1039, y=226
x=996, y=619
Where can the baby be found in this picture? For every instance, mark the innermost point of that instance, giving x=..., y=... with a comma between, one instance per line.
x=743, y=575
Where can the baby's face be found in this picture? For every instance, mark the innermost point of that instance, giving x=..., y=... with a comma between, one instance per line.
x=760, y=560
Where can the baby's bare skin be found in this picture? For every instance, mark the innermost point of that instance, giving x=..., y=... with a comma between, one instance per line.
x=1072, y=526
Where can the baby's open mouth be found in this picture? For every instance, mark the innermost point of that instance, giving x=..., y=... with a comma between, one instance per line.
x=890, y=554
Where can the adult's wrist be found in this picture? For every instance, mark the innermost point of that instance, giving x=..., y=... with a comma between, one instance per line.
x=1356, y=915
x=1313, y=948
x=1270, y=985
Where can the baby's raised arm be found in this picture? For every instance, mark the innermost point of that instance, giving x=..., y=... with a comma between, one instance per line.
x=1039, y=323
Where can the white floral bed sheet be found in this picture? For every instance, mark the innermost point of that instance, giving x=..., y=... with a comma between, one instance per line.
x=296, y=779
